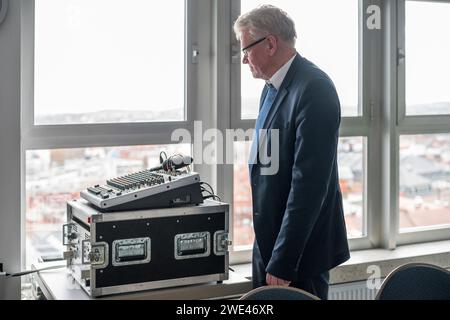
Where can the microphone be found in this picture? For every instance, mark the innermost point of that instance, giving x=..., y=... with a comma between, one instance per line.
x=174, y=162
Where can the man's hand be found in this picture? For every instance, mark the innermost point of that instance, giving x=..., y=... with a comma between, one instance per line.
x=274, y=281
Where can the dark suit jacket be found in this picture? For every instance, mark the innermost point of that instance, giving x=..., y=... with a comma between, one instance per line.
x=298, y=213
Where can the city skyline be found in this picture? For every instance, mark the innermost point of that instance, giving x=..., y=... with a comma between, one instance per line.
x=56, y=176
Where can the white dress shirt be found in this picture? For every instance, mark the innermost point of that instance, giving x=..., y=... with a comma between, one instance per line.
x=278, y=77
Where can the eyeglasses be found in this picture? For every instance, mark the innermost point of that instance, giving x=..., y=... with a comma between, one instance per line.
x=245, y=50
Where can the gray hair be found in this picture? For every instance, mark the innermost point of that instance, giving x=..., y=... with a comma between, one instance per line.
x=267, y=20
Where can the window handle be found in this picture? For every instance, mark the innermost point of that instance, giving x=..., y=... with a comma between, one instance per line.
x=195, y=54
x=400, y=56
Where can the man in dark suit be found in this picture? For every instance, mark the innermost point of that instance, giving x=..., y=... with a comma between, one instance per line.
x=298, y=216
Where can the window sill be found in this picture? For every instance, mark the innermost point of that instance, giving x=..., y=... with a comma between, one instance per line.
x=356, y=269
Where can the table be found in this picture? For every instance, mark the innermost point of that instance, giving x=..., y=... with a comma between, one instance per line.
x=58, y=284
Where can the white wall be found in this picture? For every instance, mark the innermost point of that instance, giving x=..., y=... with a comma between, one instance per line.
x=10, y=210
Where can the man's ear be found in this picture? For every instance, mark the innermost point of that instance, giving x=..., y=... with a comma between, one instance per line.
x=272, y=43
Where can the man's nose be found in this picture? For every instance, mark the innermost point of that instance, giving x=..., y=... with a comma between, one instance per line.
x=244, y=59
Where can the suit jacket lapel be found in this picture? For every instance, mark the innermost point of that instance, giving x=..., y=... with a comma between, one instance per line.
x=283, y=91
x=281, y=94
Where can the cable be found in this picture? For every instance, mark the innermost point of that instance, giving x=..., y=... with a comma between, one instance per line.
x=212, y=190
x=213, y=196
x=23, y=273
x=161, y=160
x=204, y=190
x=211, y=193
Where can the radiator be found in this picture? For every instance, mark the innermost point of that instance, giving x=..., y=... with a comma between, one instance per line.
x=351, y=291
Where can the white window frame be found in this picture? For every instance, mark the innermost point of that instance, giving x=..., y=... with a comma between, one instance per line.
x=107, y=134
x=412, y=125
x=197, y=102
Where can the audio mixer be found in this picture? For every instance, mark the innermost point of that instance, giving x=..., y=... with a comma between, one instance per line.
x=146, y=189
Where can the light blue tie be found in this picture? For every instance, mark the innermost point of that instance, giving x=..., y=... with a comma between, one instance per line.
x=263, y=112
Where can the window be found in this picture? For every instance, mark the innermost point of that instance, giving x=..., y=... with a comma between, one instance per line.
x=427, y=58
x=351, y=153
x=396, y=113
x=331, y=42
x=424, y=122
x=109, y=87
x=56, y=176
x=424, y=181
x=242, y=197
x=107, y=61
x=351, y=178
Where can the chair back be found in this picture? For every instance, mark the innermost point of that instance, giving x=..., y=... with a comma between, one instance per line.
x=416, y=281
x=278, y=293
